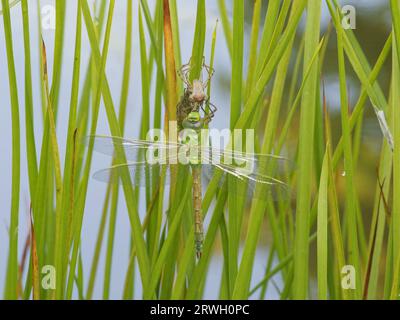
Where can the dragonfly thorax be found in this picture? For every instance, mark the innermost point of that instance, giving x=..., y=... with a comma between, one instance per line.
x=190, y=137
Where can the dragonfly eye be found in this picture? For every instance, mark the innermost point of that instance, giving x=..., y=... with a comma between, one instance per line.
x=193, y=121
x=193, y=117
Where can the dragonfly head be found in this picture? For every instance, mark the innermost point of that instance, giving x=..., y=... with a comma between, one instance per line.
x=193, y=121
x=194, y=117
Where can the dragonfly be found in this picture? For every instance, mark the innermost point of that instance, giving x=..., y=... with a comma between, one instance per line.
x=146, y=158
x=194, y=97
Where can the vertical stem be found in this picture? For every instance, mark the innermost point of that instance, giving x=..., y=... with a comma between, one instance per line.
x=170, y=64
x=12, y=268
x=306, y=150
x=171, y=94
x=396, y=156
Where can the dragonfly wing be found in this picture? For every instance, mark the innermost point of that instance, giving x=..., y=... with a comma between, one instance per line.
x=135, y=150
x=250, y=185
x=263, y=174
x=139, y=174
x=249, y=161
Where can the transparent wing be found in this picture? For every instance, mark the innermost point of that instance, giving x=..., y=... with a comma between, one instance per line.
x=266, y=170
x=262, y=174
x=139, y=174
x=243, y=159
x=270, y=188
x=262, y=168
x=135, y=150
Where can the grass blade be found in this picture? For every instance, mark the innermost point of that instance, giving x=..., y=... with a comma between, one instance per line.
x=307, y=118
x=322, y=231
x=12, y=266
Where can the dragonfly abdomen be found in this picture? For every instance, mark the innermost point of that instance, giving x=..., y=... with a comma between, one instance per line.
x=198, y=217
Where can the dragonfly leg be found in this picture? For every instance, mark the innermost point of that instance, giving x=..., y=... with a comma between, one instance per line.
x=184, y=73
x=211, y=112
x=210, y=72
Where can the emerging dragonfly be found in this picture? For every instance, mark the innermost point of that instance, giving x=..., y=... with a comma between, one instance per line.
x=149, y=157
x=194, y=97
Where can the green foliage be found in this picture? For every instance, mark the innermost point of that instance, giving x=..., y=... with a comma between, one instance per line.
x=278, y=95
